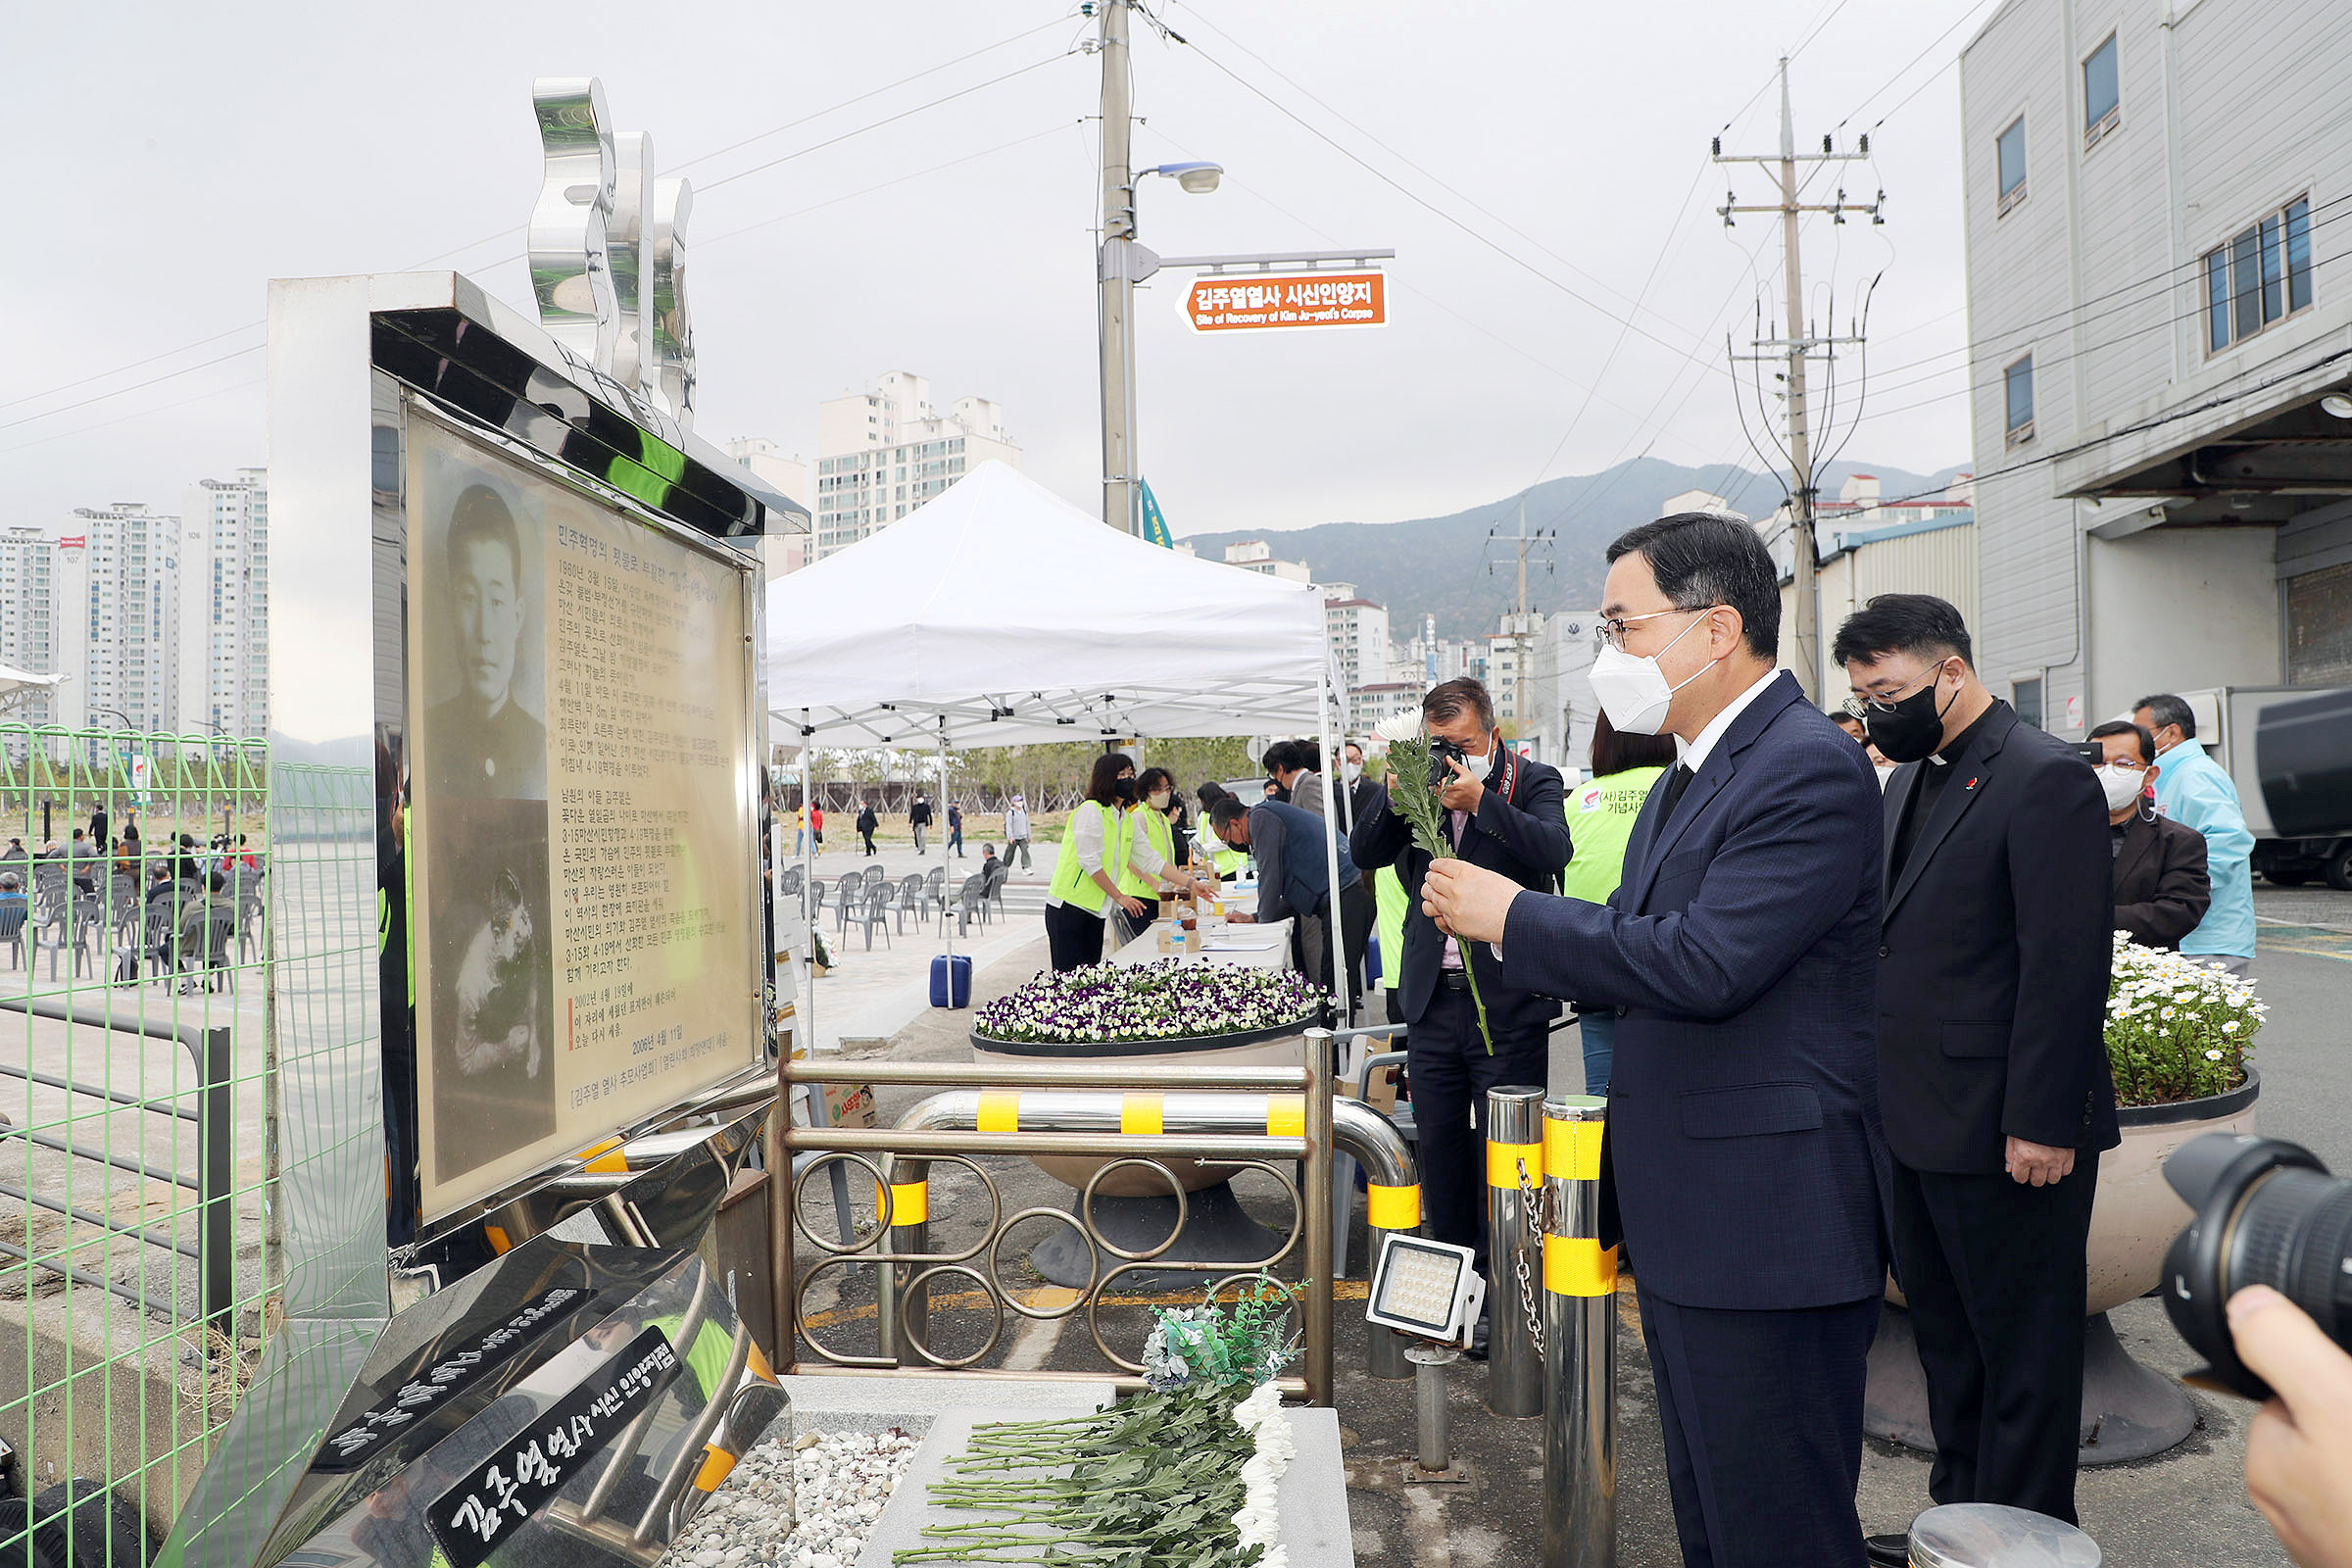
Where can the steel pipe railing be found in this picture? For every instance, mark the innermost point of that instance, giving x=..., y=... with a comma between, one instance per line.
x=1248, y=1117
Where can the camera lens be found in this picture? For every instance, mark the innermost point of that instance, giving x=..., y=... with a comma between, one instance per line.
x=2267, y=1213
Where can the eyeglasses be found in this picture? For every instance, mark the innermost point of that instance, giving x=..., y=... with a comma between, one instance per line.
x=1612, y=627
x=1860, y=707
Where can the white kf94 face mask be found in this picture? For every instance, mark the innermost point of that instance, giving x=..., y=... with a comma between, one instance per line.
x=1633, y=691
x=2122, y=785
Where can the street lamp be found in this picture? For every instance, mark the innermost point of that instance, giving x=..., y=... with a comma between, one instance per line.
x=1125, y=263
x=1120, y=264
x=1196, y=178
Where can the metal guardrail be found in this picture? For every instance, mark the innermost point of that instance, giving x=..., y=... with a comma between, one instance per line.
x=215, y=1252
x=1297, y=1129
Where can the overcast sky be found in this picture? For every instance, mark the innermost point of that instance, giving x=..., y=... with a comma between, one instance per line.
x=189, y=154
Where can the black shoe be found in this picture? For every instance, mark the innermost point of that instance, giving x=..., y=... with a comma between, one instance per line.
x=1478, y=1338
x=1889, y=1551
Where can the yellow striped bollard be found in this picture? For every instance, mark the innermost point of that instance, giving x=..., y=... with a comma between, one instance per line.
x=1580, y=1342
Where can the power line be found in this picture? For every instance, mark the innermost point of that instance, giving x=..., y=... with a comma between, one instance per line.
x=1436, y=179
x=141, y=413
x=2166, y=324
x=1421, y=200
x=803, y=212
x=2155, y=284
x=220, y=359
x=252, y=348
x=67, y=386
x=888, y=119
x=1905, y=69
x=2156, y=421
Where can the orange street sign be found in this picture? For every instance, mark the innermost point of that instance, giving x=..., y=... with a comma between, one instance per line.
x=1263, y=302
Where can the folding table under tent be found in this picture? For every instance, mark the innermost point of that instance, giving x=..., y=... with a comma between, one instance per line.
x=998, y=614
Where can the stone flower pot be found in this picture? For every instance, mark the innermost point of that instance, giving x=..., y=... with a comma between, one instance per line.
x=2129, y=1412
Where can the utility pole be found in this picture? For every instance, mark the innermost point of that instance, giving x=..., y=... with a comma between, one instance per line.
x=1118, y=269
x=1798, y=344
x=1519, y=625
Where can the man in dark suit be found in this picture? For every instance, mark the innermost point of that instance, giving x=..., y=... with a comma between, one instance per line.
x=1992, y=1067
x=2161, y=887
x=1743, y=1163
x=1503, y=811
x=1358, y=791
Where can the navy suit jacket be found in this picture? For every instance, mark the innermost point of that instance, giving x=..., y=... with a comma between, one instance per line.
x=1525, y=838
x=1745, y=1162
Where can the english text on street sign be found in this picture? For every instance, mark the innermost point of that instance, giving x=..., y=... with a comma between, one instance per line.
x=1276, y=301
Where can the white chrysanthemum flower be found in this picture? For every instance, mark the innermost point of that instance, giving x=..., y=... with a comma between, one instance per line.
x=2212, y=1055
x=1402, y=725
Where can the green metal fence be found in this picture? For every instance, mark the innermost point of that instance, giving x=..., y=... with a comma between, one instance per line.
x=138, y=1148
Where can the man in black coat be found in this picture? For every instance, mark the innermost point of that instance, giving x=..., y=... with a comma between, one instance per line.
x=2161, y=887
x=1993, y=962
x=1506, y=812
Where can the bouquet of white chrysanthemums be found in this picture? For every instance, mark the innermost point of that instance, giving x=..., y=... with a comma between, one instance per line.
x=2176, y=1029
x=1415, y=798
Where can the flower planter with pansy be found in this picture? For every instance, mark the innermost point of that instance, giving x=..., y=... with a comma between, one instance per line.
x=1214, y=1014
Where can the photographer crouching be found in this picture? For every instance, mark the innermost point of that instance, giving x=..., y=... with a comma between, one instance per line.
x=1504, y=812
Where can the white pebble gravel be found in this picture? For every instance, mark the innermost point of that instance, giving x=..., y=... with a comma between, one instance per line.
x=839, y=1481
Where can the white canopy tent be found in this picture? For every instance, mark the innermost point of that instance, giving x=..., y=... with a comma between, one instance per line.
x=15, y=685
x=999, y=615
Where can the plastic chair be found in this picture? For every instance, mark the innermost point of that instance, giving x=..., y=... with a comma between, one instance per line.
x=249, y=927
x=935, y=888
x=974, y=899
x=206, y=934
x=912, y=901
x=789, y=884
x=845, y=897
x=12, y=915
x=995, y=889
x=878, y=903
x=149, y=940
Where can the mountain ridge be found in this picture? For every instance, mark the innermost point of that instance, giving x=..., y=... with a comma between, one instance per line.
x=1450, y=567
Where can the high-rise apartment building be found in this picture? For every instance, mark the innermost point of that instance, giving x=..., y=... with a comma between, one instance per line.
x=28, y=565
x=883, y=452
x=154, y=621
x=788, y=476
x=223, y=567
x=115, y=617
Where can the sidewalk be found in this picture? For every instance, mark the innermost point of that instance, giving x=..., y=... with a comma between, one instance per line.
x=875, y=994
x=2187, y=1507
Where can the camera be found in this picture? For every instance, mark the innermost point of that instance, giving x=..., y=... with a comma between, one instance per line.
x=2267, y=1213
x=1441, y=752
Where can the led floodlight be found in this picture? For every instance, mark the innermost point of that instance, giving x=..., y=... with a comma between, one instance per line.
x=1431, y=1289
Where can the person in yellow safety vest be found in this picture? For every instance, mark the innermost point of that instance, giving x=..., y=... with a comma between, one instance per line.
x=1149, y=866
x=1388, y=901
x=1094, y=847
x=1229, y=862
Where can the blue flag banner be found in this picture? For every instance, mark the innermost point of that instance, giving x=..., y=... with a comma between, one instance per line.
x=1156, y=526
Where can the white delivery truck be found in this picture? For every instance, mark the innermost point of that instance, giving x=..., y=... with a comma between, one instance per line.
x=2288, y=748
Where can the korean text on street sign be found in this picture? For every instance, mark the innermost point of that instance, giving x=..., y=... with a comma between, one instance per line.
x=1262, y=302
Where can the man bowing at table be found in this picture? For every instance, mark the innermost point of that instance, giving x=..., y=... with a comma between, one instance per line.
x=1744, y=1165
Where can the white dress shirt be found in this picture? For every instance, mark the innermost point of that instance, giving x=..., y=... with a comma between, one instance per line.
x=1695, y=753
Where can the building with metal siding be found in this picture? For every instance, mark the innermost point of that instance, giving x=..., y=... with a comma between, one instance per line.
x=2159, y=300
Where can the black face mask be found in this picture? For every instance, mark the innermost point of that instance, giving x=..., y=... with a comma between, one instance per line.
x=1912, y=728
x=1126, y=789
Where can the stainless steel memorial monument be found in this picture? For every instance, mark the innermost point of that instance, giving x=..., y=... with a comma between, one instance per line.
x=518, y=1004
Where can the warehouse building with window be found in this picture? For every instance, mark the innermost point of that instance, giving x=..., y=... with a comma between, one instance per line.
x=2159, y=309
